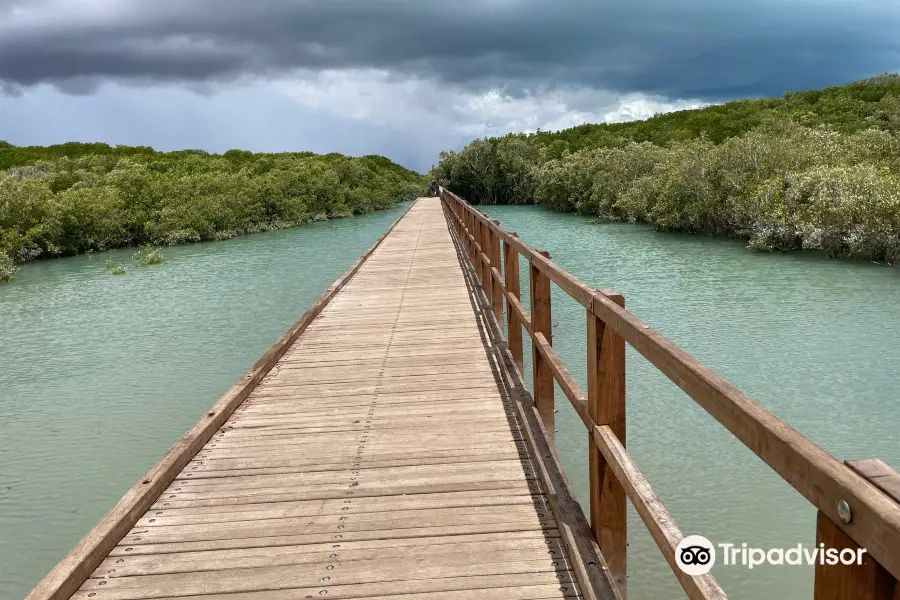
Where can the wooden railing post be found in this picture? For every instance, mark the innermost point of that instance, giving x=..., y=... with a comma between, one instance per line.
x=476, y=243
x=496, y=292
x=470, y=220
x=485, y=257
x=866, y=581
x=606, y=406
x=541, y=322
x=513, y=324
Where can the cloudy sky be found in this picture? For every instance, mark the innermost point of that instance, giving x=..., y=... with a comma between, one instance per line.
x=406, y=78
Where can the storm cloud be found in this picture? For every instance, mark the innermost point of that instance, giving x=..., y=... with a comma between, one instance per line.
x=709, y=49
x=470, y=67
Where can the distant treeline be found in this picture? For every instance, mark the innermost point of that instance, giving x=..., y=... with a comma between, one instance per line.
x=817, y=170
x=71, y=198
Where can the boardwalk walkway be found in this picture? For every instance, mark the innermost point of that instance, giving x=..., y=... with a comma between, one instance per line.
x=387, y=447
x=379, y=457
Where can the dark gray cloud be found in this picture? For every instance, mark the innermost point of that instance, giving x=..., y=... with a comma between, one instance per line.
x=710, y=49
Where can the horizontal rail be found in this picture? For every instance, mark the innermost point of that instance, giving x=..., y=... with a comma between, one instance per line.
x=659, y=522
x=813, y=472
x=523, y=315
x=565, y=380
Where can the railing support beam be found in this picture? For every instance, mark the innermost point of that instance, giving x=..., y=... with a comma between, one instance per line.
x=496, y=292
x=869, y=580
x=541, y=322
x=513, y=323
x=606, y=406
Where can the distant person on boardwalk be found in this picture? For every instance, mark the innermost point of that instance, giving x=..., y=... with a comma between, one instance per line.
x=432, y=188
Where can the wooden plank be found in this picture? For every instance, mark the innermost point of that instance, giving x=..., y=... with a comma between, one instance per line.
x=360, y=505
x=476, y=586
x=460, y=551
x=879, y=474
x=390, y=537
x=292, y=576
x=72, y=570
x=306, y=455
x=513, y=517
x=328, y=492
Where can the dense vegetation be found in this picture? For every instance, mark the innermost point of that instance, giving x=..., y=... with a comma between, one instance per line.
x=817, y=169
x=71, y=198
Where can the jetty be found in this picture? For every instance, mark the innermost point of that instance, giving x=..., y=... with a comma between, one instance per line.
x=388, y=446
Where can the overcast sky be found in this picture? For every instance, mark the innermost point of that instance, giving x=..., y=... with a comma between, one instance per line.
x=406, y=78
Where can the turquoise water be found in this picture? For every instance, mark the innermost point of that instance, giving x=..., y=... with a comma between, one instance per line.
x=814, y=340
x=100, y=374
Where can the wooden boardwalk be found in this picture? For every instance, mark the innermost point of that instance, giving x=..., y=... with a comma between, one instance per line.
x=379, y=457
x=387, y=447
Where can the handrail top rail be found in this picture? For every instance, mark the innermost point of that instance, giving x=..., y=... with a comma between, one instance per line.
x=808, y=468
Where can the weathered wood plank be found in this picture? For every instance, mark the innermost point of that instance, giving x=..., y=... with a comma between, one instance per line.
x=483, y=586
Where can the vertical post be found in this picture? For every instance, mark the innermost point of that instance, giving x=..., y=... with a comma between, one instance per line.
x=479, y=246
x=606, y=406
x=496, y=292
x=868, y=580
x=513, y=324
x=470, y=246
x=541, y=323
x=485, y=254
x=473, y=229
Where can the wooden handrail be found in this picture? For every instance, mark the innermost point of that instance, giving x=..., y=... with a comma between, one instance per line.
x=823, y=480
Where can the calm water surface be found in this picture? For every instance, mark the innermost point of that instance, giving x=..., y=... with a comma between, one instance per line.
x=814, y=340
x=99, y=375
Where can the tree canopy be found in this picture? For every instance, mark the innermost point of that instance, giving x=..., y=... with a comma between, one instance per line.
x=817, y=169
x=71, y=198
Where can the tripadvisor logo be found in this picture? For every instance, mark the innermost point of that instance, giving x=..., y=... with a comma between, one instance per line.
x=696, y=555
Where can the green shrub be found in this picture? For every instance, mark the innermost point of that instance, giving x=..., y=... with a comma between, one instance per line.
x=817, y=170
x=73, y=198
x=7, y=268
x=114, y=268
x=148, y=256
